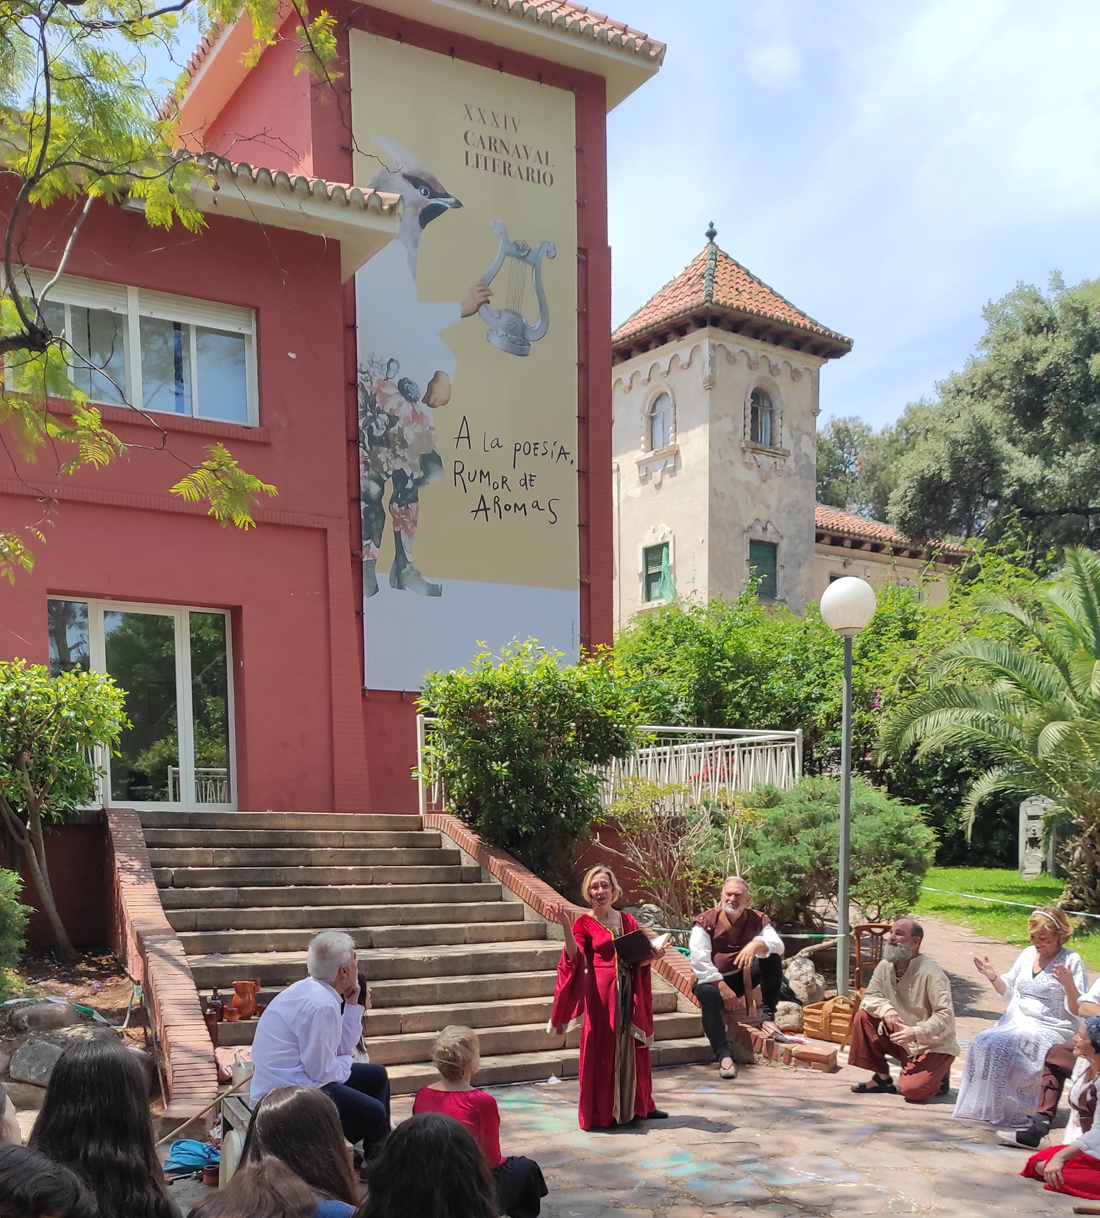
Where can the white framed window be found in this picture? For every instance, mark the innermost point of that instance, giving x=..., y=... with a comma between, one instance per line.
x=165, y=354
x=660, y=423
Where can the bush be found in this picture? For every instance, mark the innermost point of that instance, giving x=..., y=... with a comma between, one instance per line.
x=517, y=747
x=791, y=857
x=13, y=923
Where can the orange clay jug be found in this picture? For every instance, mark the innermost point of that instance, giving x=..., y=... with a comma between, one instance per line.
x=244, y=998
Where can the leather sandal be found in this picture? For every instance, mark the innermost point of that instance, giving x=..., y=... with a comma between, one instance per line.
x=875, y=1085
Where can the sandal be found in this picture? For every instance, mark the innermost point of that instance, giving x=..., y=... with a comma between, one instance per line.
x=875, y=1086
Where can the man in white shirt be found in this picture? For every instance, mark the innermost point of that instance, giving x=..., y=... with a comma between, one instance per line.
x=724, y=942
x=1057, y=1068
x=308, y=1033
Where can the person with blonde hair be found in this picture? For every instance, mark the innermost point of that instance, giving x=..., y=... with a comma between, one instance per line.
x=1004, y=1067
x=613, y=996
x=457, y=1056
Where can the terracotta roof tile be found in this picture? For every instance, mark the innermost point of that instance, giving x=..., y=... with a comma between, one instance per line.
x=833, y=520
x=713, y=281
x=302, y=184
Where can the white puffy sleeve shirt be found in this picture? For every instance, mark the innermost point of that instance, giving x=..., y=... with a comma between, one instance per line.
x=303, y=1039
x=701, y=947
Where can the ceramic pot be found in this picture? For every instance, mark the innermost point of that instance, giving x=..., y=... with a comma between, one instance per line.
x=232, y=1014
x=244, y=998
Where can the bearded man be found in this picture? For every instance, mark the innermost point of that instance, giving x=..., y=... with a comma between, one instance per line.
x=906, y=1013
x=724, y=942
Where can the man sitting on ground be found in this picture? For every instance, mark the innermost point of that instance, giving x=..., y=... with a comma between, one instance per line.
x=1058, y=1066
x=308, y=1033
x=906, y=1013
x=724, y=942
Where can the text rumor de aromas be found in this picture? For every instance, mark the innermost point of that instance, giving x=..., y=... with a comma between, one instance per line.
x=534, y=174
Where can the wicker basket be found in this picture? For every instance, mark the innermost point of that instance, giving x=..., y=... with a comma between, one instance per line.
x=829, y=1020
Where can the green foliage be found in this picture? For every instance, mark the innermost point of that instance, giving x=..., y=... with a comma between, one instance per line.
x=80, y=121
x=517, y=741
x=791, y=856
x=49, y=727
x=13, y=923
x=1029, y=702
x=839, y=446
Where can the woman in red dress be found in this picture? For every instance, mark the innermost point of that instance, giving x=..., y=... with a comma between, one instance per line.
x=616, y=1003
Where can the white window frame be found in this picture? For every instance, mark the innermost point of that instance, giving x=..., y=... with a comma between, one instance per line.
x=136, y=303
x=97, y=660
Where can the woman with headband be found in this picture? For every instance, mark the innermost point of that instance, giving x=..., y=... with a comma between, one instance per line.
x=1004, y=1066
x=1074, y=1167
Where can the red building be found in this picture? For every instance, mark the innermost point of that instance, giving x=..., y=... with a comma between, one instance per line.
x=243, y=652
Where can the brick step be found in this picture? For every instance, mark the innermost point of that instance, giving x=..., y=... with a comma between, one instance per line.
x=328, y=895
x=344, y=821
x=236, y=857
x=325, y=838
x=537, y=1067
x=314, y=918
x=223, y=877
x=387, y=963
x=235, y=942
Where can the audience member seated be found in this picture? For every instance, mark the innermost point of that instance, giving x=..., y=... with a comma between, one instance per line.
x=724, y=941
x=519, y=1183
x=1074, y=1167
x=300, y=1127
x=429, y=1167
x=1060, y=1063
x=95, y=1120
x=905, y=1013
x=1004, y=1065
x=265, y=1188
x=308, y=1034
x=32, y=1186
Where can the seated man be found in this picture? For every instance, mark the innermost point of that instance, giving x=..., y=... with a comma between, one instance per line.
x=307, y=1036
x=1058, y=1066
x=725, y=941
x=906, y=1013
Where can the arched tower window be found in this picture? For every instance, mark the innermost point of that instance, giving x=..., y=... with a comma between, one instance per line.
x=762, y=418
x=659, y=424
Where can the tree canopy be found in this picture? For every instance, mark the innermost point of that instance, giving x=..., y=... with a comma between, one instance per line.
x=81, y=120
x=1009, y=446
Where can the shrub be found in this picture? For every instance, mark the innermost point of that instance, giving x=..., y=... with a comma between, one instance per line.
x=13, y=923
x=517, y=745
x=791, y=857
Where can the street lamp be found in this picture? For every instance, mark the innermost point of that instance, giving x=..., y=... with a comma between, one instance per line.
x=847, y=605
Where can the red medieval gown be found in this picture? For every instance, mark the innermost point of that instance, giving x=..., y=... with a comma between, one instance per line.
x=617, y=1005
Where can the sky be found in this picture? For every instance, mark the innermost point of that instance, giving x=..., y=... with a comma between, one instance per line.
x=889, y=168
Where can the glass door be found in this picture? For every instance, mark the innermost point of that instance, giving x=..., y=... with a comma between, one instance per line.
x=174, y=665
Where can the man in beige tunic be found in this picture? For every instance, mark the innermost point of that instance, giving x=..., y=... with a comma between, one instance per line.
x=906, y=1013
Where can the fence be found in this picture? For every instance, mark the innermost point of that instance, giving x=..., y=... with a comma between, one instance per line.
x=706, y=760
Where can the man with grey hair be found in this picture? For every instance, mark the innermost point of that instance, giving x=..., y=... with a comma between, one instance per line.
x=905, y=1013
x=307, y=1035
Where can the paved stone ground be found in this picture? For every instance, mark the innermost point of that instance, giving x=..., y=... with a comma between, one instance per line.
x=776, y=1141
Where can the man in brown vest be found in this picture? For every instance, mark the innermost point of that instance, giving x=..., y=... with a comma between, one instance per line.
x=724, y=942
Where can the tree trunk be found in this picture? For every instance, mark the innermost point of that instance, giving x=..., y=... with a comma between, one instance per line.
x=1082, y=863
x=35, y=850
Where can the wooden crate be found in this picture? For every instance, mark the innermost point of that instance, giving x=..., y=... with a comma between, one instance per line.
x=829, y=1020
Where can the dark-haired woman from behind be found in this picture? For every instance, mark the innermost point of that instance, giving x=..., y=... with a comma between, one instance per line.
x=300, y=1126
x=32, y=1186
x=429, y=1167
x=264, y=1188
x=96, y=1121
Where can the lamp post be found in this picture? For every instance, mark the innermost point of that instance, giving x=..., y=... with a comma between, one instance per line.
x=847, y=606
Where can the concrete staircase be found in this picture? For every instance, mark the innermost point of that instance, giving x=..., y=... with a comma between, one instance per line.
x=245, y=892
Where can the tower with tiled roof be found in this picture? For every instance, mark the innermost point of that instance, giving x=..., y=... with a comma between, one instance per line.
x=715, y=399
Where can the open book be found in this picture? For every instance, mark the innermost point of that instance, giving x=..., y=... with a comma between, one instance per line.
x=637, y=946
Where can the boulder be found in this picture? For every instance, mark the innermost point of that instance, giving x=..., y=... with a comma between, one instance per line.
x=34, y=1061
x=5, y=1058
x=25, y=1096
x=805, y=981
x=43, y=1016
x=788, y=1016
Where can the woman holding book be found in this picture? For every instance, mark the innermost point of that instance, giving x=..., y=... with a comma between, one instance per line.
x=610, y=991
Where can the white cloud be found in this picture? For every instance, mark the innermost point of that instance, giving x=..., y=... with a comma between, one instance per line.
x=775, y=65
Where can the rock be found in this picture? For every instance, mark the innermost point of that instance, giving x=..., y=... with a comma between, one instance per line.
x=64, y=1037
x=788, y=1016
x=25, y=1096
x=33, y=1061
x=805, y=981
x=5, y=1058
x=43, y=1016
x=645, y=915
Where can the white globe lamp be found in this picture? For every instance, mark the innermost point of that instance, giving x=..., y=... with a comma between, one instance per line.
x=847, y=605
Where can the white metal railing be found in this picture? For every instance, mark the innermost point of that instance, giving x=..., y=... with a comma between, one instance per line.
x=211, y=784
x=706, y=760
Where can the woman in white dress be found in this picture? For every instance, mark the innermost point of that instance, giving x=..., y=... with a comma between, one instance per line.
x=1004, y=1065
